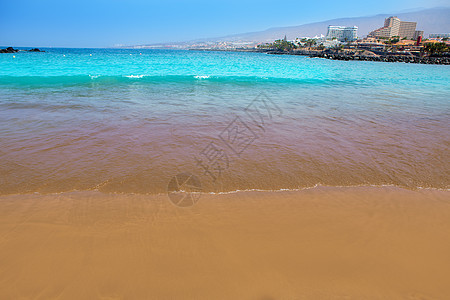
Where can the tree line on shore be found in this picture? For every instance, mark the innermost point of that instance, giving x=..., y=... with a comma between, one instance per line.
x=282, y=45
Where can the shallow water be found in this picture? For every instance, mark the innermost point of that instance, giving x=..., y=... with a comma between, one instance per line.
x=129, y=120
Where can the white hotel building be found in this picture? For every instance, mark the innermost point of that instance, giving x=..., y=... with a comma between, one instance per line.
x=342, y=33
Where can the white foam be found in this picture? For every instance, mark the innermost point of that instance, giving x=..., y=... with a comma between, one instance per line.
x=135, y=76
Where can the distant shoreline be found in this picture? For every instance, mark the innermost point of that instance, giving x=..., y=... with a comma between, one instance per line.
x=357, y=54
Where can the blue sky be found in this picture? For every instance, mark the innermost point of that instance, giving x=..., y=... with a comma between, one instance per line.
x=104, y=23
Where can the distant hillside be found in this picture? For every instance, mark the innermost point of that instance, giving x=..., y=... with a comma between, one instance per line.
x=434, y=20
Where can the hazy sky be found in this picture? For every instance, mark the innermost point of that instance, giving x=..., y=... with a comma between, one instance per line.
x=103, y=23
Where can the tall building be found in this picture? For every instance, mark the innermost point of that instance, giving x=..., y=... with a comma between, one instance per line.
x=407, y=29
x=394, y=27
x=393, y=23
x=342, y=33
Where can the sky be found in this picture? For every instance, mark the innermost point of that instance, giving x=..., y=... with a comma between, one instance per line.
x=107, y=23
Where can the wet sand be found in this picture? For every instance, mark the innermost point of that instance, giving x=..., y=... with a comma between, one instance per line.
x=321, y=243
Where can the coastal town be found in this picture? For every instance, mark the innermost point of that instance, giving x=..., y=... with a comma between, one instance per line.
x=397, y=40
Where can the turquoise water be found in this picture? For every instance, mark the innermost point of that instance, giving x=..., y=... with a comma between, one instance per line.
x=129, y=120
x=81, y=65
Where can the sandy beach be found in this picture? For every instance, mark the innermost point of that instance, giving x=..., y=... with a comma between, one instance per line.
x=321, y=243
x=159, y=150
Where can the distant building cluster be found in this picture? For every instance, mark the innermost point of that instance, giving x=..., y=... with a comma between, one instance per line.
x=395, y=36
x=395, y=33
x=393, y=27
x=401, y=34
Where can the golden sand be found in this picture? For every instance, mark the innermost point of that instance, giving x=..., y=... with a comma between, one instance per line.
x=323, y=243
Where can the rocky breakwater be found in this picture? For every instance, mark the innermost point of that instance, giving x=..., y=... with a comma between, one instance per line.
x=384, y=57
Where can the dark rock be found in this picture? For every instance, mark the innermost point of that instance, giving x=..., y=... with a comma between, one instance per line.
x=12, y=50
x=9, y=50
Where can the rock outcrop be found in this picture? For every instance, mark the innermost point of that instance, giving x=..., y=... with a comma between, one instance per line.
x=12, y=50
x=387, y=58
x=9, y=50
x=364, y=55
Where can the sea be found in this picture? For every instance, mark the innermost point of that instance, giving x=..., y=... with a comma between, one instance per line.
x=141, y=121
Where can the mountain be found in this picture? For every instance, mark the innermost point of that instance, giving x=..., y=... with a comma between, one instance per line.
x=434, y=20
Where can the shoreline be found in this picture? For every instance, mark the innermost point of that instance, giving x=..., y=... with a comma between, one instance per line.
x=320, y=243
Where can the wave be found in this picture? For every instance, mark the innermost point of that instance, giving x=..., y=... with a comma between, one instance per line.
x=70, y=80
x=238, y=191
x=134, y=76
